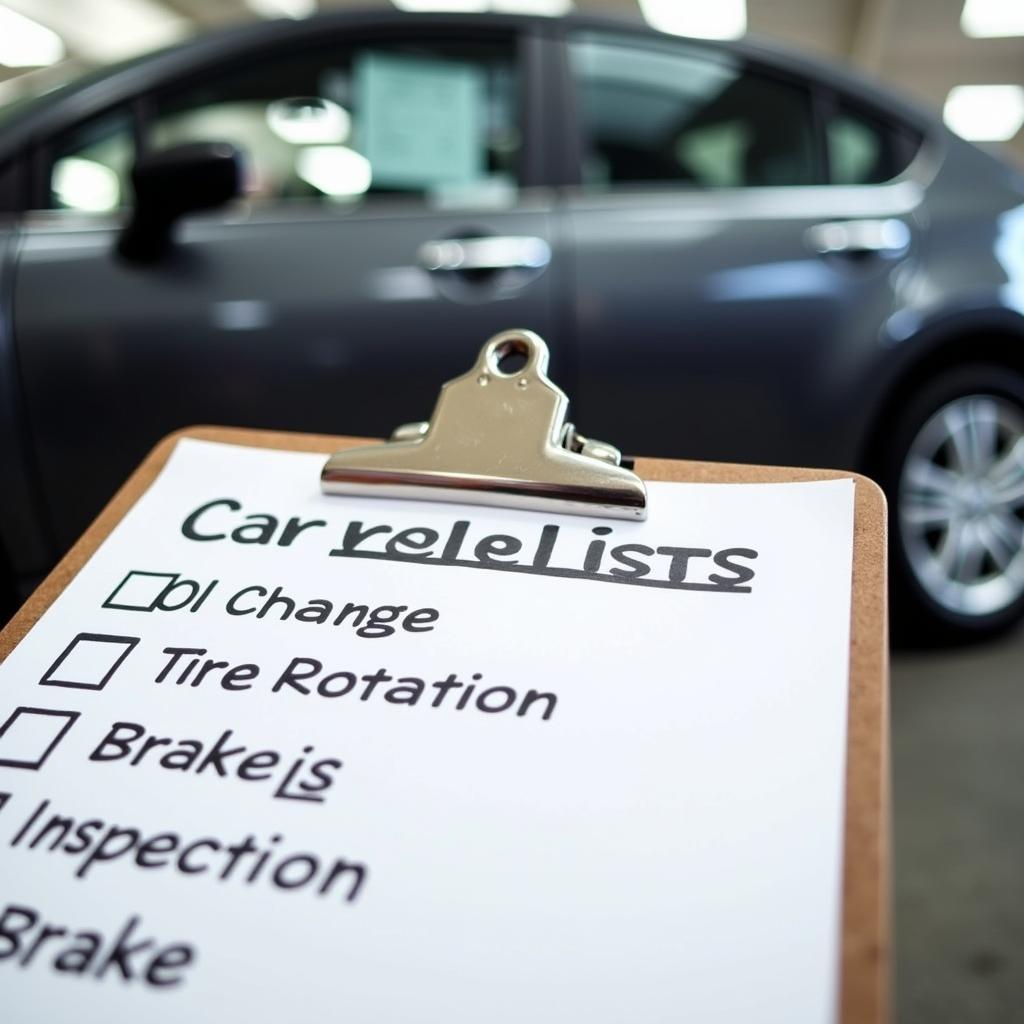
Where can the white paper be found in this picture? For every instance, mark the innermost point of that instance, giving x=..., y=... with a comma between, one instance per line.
x=659, y=839
x=421, y=122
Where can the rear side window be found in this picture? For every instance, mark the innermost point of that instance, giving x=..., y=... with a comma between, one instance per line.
x=677, y=115
x=863, y=150
x=420, y=118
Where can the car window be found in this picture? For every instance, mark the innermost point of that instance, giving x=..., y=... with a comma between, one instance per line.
x=90, y=166
x=864, y=151
x=680, y=115
x=416, y=118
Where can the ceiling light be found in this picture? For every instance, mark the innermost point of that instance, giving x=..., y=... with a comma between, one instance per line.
x=101, y=31
x=282, y=8
x=308, y=120
x=25, y=43
x=985, y=113
x=462, y=6
x=986, y=19
x=334, y=170
x=546, y=8
x=704, y=19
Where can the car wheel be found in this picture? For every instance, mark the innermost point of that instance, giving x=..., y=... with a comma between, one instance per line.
x=954, y=474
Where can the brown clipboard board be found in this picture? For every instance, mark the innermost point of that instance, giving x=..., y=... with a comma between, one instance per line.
x=864, y=970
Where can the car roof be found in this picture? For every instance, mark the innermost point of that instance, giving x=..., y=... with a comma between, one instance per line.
x=106, y=87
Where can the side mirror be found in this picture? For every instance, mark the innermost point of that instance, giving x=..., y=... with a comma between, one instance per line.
x=171, y=183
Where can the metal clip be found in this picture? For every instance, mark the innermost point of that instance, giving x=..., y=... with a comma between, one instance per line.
x=496, y=438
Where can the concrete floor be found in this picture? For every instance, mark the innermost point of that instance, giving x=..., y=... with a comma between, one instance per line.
x=958, y=779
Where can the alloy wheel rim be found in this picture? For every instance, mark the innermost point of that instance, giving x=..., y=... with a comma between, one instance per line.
x=961, y=505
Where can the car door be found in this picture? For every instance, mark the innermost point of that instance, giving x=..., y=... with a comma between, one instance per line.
x=721, y=287
x=388, y=229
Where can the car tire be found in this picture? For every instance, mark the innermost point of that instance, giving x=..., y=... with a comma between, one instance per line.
x=953, y=468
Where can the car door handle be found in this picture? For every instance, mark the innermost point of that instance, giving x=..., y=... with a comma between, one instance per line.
x=454, y=255
x=889, y=237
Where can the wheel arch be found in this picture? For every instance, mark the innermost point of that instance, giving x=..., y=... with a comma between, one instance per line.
x=991, y=340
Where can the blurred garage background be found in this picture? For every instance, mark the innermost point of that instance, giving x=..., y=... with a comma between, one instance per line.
x=958, y=714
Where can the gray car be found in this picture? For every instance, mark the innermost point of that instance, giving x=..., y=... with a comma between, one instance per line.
x=735, y=253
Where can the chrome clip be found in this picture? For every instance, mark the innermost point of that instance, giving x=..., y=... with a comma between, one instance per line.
x=496, y=438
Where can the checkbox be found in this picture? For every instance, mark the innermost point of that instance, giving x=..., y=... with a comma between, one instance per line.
x=89, y=661
x=158, y=592
x=141, y=591
x=30, y=735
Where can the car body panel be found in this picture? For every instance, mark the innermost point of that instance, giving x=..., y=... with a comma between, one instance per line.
x=732, y=321
x=961, y=298
x=325, y=323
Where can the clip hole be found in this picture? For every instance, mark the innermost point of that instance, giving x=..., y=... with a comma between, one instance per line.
x=510, y=356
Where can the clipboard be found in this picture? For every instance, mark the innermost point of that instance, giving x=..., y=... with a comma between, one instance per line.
x=865, y=940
